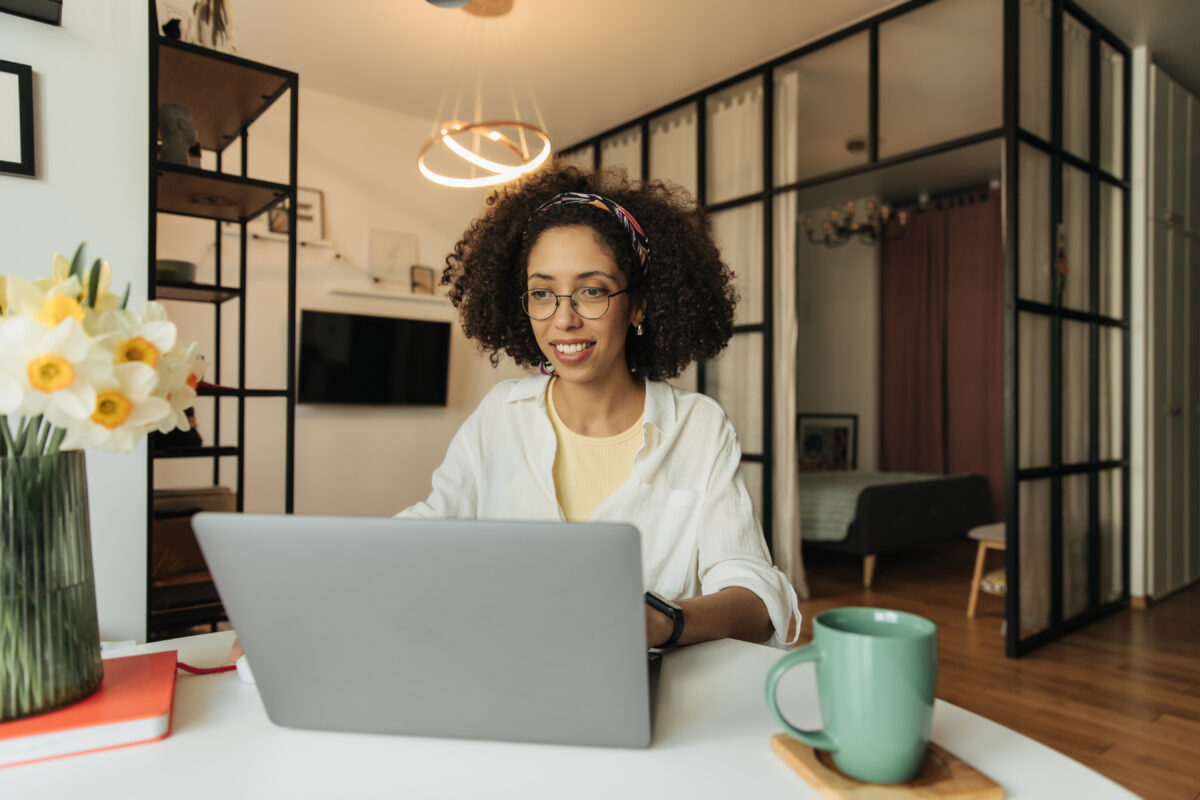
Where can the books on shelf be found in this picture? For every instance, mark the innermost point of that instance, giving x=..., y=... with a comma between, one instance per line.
x=132, y=705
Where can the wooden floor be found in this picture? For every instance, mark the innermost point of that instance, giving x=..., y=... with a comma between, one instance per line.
x=1121, y=696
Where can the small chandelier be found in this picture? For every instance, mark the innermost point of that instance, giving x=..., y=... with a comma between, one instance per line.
x=841, y=226
x=482, y=152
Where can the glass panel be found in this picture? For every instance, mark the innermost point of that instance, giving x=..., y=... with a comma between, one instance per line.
x=735, y=380
x=1112, y=110
x=623, y=149
x=1033, y=499
x=673, y=147
x=1076, y=226
x=1034, y=244
x=822, y=111
x=1035, y=67
x=735, y=153
x=923, y=97
x=1076, y=416
x=1112, y=253
x=752, y=475
x=1112, y=376
x=579, y=157
x=1076, y=45
x=739, y=235
x=1034, y=402
x=1075, y=545
x=1112, y=564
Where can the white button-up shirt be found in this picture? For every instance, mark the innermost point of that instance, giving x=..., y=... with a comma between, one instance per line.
x=685, y=496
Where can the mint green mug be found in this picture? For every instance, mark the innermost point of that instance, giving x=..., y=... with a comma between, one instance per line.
x=876, y=671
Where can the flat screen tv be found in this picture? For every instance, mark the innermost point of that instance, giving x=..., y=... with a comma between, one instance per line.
x=367, y=360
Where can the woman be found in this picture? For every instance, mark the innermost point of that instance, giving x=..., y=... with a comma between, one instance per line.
x=611, y=288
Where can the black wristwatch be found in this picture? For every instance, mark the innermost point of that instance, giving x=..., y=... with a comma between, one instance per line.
x=673, y=612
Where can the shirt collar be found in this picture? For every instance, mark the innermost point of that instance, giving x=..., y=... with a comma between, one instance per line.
x=660, y=399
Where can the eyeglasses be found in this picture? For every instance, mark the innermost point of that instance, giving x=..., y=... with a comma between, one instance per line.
x=589, y=302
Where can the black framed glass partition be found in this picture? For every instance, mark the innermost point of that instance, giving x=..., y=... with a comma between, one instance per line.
x=1038, y=93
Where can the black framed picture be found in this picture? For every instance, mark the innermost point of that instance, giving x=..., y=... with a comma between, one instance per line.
x=827, y=441
x=422, y=280
x=16, y=119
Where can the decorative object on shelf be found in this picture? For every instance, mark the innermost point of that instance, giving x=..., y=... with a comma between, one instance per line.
x=16, y=119
x=827, y=441
x=178, y=133
x=390, y=255
x=48, y=11
x=493, y=147
x=172, y=269
x=277, y=219
x=76, y=370
x=175, y=19
x=214, y=25
x=422, y=280
x=841, y=226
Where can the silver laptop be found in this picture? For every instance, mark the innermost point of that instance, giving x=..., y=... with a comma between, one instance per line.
x=517, y=631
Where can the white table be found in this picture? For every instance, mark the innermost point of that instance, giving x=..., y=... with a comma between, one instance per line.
x=711, y=739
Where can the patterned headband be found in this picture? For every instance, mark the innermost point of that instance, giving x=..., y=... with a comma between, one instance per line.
x=641, y=244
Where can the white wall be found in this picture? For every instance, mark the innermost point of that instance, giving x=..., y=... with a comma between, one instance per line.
x=837, y=363
x=90, y=80
x=349, y=460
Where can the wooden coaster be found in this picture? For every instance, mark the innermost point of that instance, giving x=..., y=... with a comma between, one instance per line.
x=943, y=775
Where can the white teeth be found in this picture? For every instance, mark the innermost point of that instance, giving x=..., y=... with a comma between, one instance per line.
x=567, y=349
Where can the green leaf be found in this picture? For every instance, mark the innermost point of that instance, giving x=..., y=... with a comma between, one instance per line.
x=77, y=262
x=94, y=284
x=124, y=297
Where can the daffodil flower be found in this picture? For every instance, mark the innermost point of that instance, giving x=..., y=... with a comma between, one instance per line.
x=61, y=274
x=57, y=369
x=179, y=372
x=131, y=338
x=125, y=410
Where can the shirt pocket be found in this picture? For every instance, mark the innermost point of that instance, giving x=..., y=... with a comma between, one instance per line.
x=667, y=519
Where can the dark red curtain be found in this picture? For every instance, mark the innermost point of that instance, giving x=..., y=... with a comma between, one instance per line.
x=942, y=355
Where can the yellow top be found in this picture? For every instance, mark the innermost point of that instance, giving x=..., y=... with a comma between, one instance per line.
x=587, y=469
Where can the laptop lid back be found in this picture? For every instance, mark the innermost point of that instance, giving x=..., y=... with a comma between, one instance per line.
x=517, y=631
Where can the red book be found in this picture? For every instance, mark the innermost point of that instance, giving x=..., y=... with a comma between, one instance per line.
x=132, y=705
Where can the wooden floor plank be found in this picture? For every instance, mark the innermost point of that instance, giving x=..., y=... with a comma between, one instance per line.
x=1121, y=696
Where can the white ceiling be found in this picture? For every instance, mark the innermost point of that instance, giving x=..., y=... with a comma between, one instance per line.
x=592, y=65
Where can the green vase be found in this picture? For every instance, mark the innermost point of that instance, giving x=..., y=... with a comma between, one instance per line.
x=49, y=636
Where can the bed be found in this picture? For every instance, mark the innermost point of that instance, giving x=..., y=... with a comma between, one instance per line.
x=872, y=513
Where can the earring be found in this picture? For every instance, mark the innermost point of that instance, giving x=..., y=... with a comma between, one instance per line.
x=547, y=368
x=639, y=330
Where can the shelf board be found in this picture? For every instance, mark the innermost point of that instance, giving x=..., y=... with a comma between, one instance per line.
x=195, y=452
x=194, y=292
x=384, y=294
x=224, y=93
x=195, y=192
x=233, y=391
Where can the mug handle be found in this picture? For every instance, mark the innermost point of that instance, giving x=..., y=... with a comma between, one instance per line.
x=818, y=739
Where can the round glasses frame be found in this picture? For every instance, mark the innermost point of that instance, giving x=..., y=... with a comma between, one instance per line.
x=576, y=299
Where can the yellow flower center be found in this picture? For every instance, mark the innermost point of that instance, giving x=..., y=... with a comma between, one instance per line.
x=49, y=373
x=138, y=349
x=112, y=409
x=57, y=308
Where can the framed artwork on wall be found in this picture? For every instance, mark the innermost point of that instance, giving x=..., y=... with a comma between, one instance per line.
x=390, y=256
x=16, y=119
x=310, y=215
x=827, y=441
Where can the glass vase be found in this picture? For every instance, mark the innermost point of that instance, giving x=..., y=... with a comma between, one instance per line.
x=49, y=636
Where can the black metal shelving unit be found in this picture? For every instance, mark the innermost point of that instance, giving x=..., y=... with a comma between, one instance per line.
x=225, y=95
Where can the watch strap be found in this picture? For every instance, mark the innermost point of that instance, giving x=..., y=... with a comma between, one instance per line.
x=673, y=612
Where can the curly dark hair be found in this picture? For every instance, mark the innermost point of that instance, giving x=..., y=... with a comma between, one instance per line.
x=687, y=290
